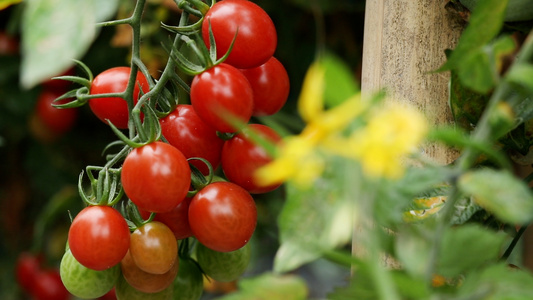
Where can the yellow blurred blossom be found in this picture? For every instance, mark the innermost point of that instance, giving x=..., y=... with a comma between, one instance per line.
x=390, y=133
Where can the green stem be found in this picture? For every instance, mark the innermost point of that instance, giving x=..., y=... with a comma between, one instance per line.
x=515, y=240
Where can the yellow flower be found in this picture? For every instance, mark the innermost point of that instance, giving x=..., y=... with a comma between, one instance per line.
x=297, y=160
x=391, y=133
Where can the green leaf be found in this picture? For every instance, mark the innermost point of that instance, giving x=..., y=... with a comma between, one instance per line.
x=485, y=23
x=413, y=248
x=522, y=76
x=497, y=282
x=268, y=286
x=316, y=219
x=500, y=193
x=54, y=32
x=340, y=83
x=468, y=247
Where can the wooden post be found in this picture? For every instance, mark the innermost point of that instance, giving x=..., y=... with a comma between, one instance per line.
x=403, y=41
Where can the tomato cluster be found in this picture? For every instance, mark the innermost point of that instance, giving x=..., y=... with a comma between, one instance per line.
x=189, y=188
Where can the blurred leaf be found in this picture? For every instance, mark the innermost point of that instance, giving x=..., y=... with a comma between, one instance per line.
x=268, y=286
x=496, y=282
x=340, y=82
x=361, y=287
x=500, y=193
x=465, y=104
x=471, y=58
x=6, y=3
x=468, y=247
x=316, y=219
x=56, y=31
x=413, y=248
x=517, y=10
x=522, y=75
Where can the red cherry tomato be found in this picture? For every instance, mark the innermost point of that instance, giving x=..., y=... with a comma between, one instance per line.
x=256, y=37
x=9, y=45
x=99, y=237
x=156, y=177
x=219, y=93
x=58, y=120
x=223, y=216
x=27, y=268
x=58, y=84
x=184, y=130
x=270, y=84
x=48, y=286
x=241, y=157
x=115, y=109
x=153, y=247
x=177, y=219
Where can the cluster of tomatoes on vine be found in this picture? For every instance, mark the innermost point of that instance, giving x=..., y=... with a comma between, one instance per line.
x=180, y=220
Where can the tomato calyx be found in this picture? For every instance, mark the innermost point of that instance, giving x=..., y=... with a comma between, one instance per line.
x=198, y=179
x=105, y=189
x=135, y=219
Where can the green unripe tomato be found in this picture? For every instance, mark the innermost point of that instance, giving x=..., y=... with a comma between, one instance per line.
x=189, y=283
x=86, y=283
x=223, y=266
x=124, y=291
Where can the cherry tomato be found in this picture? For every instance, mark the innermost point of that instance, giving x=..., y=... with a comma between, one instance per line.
x=115, y=109
x=220, y=93
x=153, y=247
x=241, y=157
x=223, y=216
x=9, y=45
x=86, y=283
x=48, y=286
x=111, y=295
x=26, y=269
x=223, y=266
x=99, y=237
x=57, y=84
x=125, y=291
x=189, y=283
x=256, y=37
x=184, y=130
x=177, y=219
x=144, y=281
x=57, y=120
x=270, y=85
x=156, y=177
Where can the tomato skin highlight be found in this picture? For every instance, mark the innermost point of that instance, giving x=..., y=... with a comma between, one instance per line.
x=223, y=216
x=221, y=92
x=185, y=130
x=241, y=157
x=99, y=237
x=156, y=177
x=153, y=248
x=115, y=109
x=256, y=38
x=271, y=86
x=86, y=283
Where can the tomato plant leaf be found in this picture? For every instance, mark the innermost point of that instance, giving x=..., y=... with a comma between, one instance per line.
x=500, y=193
x=57, y=31
x=485, y=23
x=268, y=286
x=316, y=219
x=468, y=247
x=497, y=281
